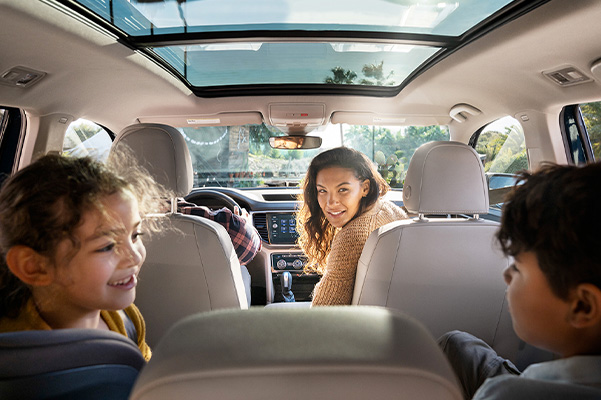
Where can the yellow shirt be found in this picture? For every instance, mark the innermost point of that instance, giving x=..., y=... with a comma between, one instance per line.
x=29, y=319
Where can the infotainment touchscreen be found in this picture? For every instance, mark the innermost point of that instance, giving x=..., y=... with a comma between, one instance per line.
x=282, y=228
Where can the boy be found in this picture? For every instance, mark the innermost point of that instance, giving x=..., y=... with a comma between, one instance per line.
x=550, y=225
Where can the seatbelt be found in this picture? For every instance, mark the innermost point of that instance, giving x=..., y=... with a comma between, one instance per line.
x=129, y=326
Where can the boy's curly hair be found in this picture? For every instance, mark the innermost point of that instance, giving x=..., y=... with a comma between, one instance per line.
x=554, y=213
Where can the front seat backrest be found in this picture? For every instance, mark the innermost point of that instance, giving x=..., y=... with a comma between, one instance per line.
x=193, y=267
x=321, y=353
x=67, y=364
x=445, y=271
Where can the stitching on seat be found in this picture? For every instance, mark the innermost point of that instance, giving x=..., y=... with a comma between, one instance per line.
x=202, y=263
x=398, y=245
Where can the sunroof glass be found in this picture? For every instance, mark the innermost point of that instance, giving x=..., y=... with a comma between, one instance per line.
x=148, y=17
x=371, y=64
x=214, y=43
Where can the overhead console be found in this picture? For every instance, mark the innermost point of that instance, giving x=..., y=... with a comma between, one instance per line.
x=297, y=116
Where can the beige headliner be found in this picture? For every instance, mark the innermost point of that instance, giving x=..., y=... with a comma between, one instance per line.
x=91, y=76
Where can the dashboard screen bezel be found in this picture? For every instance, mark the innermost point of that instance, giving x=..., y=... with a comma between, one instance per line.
x=275, y=233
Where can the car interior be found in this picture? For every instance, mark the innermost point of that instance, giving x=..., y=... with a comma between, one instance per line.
x=226, y=103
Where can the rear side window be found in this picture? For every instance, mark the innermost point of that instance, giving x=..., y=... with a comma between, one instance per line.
x=502, y=149
x=86, y=138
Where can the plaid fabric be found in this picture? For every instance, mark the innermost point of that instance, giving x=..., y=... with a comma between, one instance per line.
x=244, y=236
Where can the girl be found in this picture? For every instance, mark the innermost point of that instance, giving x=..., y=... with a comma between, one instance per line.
x=71, y=247
x=342, y=204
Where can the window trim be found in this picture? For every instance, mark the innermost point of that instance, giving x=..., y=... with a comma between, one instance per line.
x=566, y=112
x=11, y=140
x=476, y=135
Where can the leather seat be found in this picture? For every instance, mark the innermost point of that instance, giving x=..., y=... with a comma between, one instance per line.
x=445, y=270
x=194, y=267
x=321, y=353
x=67, y=364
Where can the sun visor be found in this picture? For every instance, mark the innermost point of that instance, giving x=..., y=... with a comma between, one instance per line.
x=221, y=119
x=363, y=118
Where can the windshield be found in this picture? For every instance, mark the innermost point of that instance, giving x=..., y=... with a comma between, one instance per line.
x=240, y=156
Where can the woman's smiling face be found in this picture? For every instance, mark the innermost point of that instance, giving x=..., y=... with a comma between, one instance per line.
x=339, y=194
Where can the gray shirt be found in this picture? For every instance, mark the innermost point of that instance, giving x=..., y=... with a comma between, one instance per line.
x=573, y=378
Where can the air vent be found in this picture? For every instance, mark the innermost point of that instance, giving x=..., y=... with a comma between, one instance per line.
x=260, y=222
x=21, y=77
x=567, y=76
x=280, y=197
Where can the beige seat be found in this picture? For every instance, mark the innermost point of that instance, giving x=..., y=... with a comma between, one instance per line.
x=322, y=353
x=444, y=271
x=192, y=269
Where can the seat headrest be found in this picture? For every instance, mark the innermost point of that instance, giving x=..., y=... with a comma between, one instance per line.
x=354, y=352
x=162, y=150
x=445, y=178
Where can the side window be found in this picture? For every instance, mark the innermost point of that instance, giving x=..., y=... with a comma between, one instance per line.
x=12, y=130
x=502, y=148
x=591, y=116
x=86, y=138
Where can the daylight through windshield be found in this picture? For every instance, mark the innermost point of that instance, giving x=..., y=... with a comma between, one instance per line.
x=240, y=156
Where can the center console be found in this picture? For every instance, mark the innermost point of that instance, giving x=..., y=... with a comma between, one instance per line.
x=278, y=231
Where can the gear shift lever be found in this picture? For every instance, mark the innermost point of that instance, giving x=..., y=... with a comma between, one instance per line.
x=286, y=285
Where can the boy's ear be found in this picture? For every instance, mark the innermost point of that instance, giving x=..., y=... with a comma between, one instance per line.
x=29, y=266
x=585, y=308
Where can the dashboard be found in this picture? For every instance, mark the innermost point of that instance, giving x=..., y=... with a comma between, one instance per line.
x=273, y=214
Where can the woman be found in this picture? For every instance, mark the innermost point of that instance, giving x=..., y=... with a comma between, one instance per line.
x=342, y=204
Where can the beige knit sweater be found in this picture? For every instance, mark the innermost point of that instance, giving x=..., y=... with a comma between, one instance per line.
x=338, y=281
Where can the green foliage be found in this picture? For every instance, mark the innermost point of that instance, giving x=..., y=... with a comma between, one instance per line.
x=341, y=76
x=591, y=112
x=373, y=75
x=259, y=139
x=504, y=152
x=389, y=149
x=275, y=153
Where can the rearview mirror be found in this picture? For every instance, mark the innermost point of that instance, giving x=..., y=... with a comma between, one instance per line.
x=295, y=142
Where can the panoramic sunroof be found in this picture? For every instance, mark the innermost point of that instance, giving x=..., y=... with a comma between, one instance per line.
x=215, y=44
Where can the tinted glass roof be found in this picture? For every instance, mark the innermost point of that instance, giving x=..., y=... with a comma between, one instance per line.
x=325, y=44
x=148, y=17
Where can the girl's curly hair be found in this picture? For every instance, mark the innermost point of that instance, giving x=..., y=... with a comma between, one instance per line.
x=43, y=204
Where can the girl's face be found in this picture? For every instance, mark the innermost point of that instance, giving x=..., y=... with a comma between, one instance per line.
x=103, y=273
x=339, y=194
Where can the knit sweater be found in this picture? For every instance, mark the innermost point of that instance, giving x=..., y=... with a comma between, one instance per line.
x=29, y=319
x=338, y=281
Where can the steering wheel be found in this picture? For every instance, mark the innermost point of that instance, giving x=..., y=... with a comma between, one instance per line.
x=218, y=199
